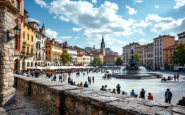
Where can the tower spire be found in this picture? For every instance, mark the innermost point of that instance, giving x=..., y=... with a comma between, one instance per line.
x=102, y=42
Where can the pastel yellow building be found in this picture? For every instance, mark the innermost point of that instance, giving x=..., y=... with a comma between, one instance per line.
x=28, y=39
x=79, y=59
x=53, y=52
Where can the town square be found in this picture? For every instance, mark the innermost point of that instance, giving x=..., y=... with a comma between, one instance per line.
x=92, y=57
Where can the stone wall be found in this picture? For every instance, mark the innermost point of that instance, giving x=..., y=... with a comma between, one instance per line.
x=71, y=100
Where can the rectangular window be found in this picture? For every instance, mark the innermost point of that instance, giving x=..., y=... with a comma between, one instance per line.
x=23, y=35
x=32, y=38
x=28, y=36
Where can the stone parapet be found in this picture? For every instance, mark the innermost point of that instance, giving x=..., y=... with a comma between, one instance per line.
x=71, y=100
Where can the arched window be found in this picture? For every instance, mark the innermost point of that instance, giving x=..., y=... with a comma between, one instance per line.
x=18, y=4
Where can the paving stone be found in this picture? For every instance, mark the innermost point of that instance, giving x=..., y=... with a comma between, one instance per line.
x=179, y=109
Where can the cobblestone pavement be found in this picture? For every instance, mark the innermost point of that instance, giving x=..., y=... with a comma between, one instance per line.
x=25, y=105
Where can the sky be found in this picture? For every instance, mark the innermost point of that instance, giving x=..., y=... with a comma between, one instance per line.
x=84, y=22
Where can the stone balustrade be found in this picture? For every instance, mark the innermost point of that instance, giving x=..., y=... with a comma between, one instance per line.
x=71, y=100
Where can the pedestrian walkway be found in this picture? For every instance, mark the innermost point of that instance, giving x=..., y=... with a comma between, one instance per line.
x=25, y=105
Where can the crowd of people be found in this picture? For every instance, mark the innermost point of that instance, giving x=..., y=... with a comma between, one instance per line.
x=176, y=78
x=64, y=75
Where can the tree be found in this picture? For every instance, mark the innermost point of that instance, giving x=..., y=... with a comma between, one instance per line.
x=118, y=61
x=136, y=57
x=66, y=58
x=97, y=62
x=179, y=54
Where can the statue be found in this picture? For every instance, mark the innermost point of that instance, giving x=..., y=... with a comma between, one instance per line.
x=133, y=65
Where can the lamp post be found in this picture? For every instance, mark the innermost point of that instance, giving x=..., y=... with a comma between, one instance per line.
x=16, y=33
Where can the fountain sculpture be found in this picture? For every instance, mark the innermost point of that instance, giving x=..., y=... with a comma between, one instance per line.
x=134, y=71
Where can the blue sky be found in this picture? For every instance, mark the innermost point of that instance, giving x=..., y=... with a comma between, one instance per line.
x=83, y=22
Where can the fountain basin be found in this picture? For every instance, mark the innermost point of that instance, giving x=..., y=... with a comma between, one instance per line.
x=137, y=76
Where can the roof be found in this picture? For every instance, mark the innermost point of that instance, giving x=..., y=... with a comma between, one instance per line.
x=162, y=36
x=171, y=47
x=181, y=33
x=34, y=22
x=95, y=51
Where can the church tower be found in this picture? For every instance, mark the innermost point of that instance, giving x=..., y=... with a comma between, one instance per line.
x=103, y=47
x=43, y=29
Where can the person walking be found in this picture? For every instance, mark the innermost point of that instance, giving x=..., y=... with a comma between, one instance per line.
x=118, y=88
x=177, y=76
x=168, y=96
x=93, y=79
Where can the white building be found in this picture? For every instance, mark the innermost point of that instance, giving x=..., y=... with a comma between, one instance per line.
x=39, y=46
x=181, y=37
x=73, y=53
x=86, y=59
x=127, y=52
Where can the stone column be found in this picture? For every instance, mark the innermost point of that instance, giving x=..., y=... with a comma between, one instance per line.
x=8, y=14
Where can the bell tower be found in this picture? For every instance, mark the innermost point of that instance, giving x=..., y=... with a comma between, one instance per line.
x=103, y=47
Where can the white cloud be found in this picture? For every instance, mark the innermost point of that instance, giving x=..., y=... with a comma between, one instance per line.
x=41, y=3
x=138, y=1
x=179, y=3
x=94, y=1
x=156, y=6
x=34, y=20
x=64, y=19
x=159, y=24
x=121, y=42
x=102, y=20
x=142, y=40
x=131, y=11
x=76, y=38
x=140, y=31
x=51, y=33
x=77, y=29
x=65, y=37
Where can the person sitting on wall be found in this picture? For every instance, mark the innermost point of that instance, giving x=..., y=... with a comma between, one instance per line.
x=103, y=88
x=124, y=93
x=182, y=102
x=150, y=96
x=132, y=93
x=86, y=85
x=113, y=91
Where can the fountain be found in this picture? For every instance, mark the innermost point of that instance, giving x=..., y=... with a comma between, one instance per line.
x=134, y=71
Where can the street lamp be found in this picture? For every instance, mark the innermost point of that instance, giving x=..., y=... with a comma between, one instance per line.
x=16, y=33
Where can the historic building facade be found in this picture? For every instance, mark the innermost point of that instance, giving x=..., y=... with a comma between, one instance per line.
x=99, y=53
x=127, y=52
x=28, y=44
x=145, y=53
x=161, y=43
x=39, y=44
x=168, y=53
x=11, y=16
x=181, y=37
x=110, y=58
x=53, y=52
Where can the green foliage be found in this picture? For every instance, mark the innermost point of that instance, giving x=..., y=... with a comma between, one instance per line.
x=179, y=54
x=118, y=62
x=97, y=62
x=136, y=57
x=66, y=58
